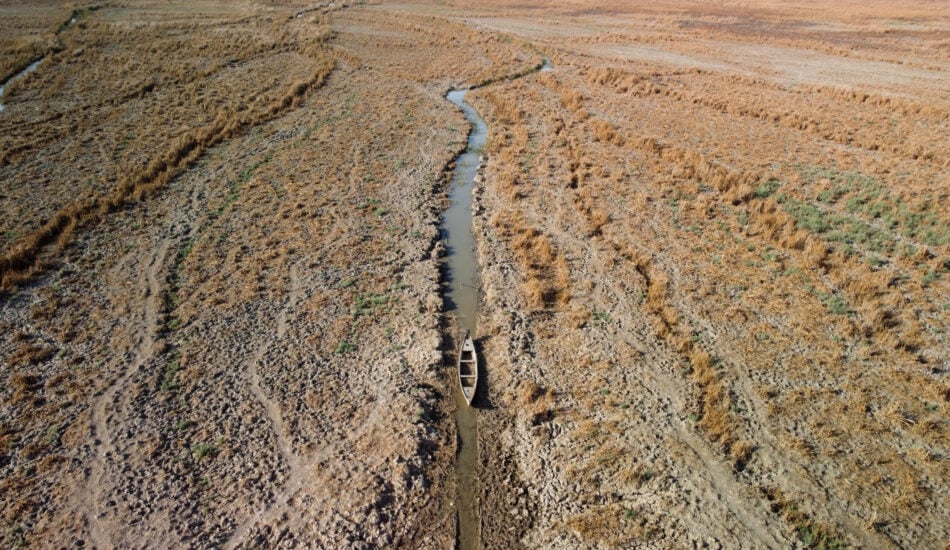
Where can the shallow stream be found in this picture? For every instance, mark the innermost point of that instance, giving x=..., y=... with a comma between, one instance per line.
x=461, y=301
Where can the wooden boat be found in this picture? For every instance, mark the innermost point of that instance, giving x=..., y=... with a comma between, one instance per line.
x=468, y=369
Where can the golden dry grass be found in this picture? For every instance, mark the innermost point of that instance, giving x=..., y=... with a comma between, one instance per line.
x=185, y=182
x=761, y=229
x=217, y=108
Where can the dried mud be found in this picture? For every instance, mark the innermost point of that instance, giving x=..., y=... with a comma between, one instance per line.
x=714, y=258
x=714, y=327
x=233, y=338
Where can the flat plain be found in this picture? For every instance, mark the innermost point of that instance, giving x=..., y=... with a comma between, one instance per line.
x=713, y=240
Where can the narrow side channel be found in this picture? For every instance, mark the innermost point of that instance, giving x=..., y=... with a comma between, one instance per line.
x=29, y=69
x=461, y=302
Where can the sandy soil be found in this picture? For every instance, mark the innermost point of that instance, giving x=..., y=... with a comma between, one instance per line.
x=714, y=254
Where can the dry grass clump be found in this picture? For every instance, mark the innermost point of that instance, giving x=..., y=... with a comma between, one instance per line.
x=716, y=418
x=623, y=81
x=611, y=525
x=537, y=401
x=594, y=216
x=508, y=183
x=505, y=111
x=713, y=399
x=30, y=353
x=546, y=271
x=572, y=100
x=587, y=200
x=813, y=533
x=903, y=106
x=448, y=45
x=871, y=293
x=25, y=386
x=792, y=227
x=845, y=117
x=605, y=132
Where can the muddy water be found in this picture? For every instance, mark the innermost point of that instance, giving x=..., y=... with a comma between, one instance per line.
x=462, y=269
x=461, y=301
x=32, y=67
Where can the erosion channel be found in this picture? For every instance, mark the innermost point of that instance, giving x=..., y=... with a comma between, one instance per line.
x=461, y=301
x=29, y=69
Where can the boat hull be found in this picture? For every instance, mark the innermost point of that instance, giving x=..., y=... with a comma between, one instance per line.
x=468, y=370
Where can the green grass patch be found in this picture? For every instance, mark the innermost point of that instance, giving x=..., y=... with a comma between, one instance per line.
x=399, y=286
x=816, y=536
x=370, y=303
x=203, y=451
x=53, y=434
x=767, y=189
x=182, y=425
x=835, y=304
x=601, y=317
x=15, y=537
x=856, y=232
x=806, y=216
x=170, y=381
x=868, y=197
x=345, y=347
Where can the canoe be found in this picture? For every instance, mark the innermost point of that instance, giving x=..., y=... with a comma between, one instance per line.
x=468, y=369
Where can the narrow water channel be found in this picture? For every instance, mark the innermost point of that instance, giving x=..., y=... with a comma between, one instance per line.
x=461, y=301
x=32, y=67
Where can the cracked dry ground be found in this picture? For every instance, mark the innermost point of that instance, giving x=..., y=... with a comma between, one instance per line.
x=234, y=338
x=715, y=272
x=714, y=249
